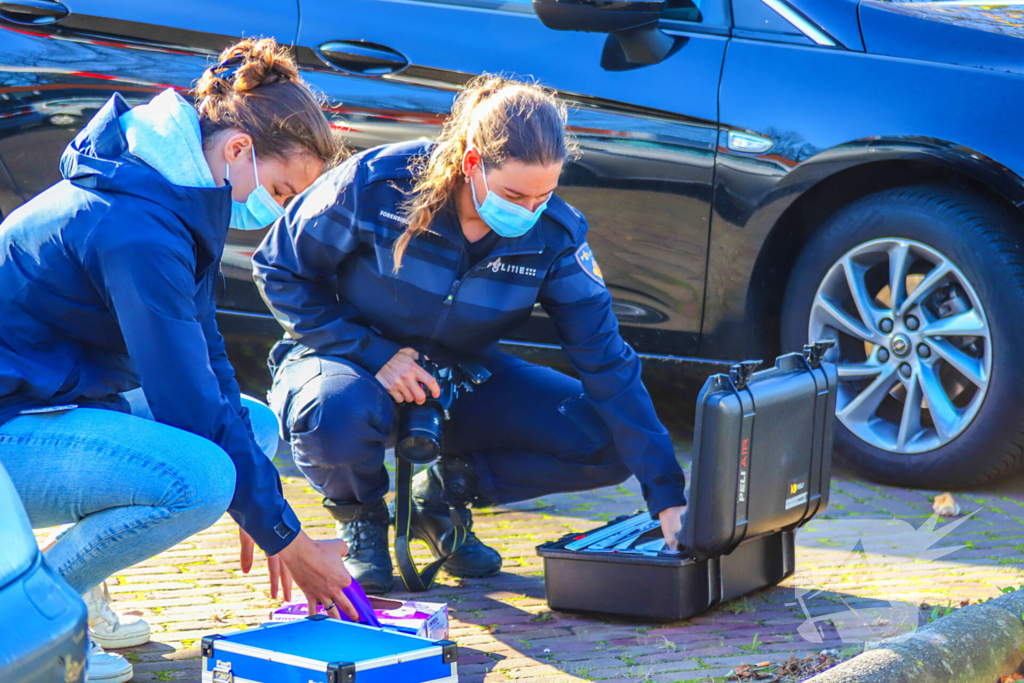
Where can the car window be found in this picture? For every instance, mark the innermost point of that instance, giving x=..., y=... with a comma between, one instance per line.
x=682, y=10
x=694, y=11
x=756, y=15
x=678, y=10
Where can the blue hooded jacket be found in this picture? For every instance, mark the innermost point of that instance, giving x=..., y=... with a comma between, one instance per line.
x=107, y=282
x=327, y=272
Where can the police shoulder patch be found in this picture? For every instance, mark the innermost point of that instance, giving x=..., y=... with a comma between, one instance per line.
x=585, y=257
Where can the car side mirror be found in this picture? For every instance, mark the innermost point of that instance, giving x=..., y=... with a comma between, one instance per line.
x=634, y=23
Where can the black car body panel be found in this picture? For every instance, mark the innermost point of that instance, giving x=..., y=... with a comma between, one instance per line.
x=952, y=33
x=695, y=239
x=878, y=110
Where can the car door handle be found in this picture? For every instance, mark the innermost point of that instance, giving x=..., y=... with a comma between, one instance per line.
x=361, y=57
x=33, y=12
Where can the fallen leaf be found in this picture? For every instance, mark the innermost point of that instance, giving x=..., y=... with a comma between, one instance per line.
x=946, y=505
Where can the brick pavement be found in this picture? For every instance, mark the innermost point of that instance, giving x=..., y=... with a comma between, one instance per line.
x=506, y=631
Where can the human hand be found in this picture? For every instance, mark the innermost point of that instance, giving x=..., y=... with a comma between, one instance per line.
x=671, y=523
x=403, y=378
x=321, y=574
x=279, y=574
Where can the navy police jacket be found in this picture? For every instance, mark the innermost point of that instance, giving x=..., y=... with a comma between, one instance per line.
x=107, y=282
x=327, y=272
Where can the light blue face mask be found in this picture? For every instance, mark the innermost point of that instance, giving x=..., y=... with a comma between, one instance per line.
x=502, y=216
x=259, y=209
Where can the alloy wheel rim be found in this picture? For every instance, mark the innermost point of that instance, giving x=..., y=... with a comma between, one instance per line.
x=914, y=349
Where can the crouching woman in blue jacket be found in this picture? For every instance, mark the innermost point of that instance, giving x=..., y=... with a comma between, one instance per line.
x=107, y=282
x=438, y=250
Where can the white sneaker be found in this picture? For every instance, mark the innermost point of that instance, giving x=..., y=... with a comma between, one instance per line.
x=108, y=629
x=106, y=667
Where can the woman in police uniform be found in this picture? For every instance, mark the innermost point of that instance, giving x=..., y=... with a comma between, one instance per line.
x=440, y=249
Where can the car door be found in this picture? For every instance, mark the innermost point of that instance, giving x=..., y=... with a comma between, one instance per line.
x=60, y=63
x=391, y=68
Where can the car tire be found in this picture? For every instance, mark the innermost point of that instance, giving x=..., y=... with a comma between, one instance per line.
x=964, y=252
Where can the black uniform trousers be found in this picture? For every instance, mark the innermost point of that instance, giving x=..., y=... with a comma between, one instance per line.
x=529, y=430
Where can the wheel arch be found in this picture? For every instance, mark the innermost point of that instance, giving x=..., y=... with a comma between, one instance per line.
x=872, y=171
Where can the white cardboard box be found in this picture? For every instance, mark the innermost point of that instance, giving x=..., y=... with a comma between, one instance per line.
x=424, y=619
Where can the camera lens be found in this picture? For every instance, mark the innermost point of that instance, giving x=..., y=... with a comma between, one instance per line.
x=419, y=448
x=419, y=433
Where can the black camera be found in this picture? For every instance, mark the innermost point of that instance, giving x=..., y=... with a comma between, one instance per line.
x=421, y=427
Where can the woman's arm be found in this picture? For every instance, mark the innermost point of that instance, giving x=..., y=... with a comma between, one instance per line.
x=576, y=299
x=219, y=362
x=295, y=269
x=149, y=284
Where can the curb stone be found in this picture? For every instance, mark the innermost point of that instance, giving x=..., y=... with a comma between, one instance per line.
x=975, y=644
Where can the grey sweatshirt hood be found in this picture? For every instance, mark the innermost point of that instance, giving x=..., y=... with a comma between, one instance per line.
x=165, y=135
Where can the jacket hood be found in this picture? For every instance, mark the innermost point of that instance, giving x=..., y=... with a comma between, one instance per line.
x=960, y=33
x=99, y=158
x=165, y=134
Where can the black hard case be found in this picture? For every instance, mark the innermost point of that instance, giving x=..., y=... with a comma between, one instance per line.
x=761, y=469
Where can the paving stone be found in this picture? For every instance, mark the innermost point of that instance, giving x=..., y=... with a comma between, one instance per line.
x=855, y=489
x=506, y=631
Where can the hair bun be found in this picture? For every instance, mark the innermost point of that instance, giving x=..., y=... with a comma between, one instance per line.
x=263, y=62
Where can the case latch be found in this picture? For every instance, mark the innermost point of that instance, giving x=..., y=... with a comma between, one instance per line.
x=222, y=673
x=741, y=372
x=815, y=351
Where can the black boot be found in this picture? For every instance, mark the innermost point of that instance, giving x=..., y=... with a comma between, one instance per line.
x=454, y=481
x=364, y=527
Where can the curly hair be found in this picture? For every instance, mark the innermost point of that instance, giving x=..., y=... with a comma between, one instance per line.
x=263, y=95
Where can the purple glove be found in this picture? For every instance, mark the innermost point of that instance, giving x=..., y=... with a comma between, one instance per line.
x=354, y=593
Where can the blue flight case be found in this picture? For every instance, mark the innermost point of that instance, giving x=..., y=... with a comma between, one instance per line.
x=322, y=650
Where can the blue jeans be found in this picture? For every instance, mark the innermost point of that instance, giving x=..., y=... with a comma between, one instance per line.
x=131, y=487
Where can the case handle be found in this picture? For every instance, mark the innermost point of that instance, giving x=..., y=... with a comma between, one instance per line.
x=741, y=372
x=815, y=351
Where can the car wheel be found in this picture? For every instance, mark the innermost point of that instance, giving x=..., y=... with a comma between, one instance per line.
x=923, y=290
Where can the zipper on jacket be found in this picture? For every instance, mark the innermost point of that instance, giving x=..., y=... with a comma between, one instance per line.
x=450, y=299
x=452, y=292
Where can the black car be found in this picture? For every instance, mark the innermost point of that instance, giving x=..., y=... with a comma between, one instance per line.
x=755, y=173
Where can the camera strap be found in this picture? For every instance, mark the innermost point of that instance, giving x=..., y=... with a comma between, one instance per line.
x=417, y=581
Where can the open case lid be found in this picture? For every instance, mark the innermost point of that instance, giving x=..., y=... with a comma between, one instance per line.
x=740, y=471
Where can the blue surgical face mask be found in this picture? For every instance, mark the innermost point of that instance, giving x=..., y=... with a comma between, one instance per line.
x=502, y=216
x=259, y=209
